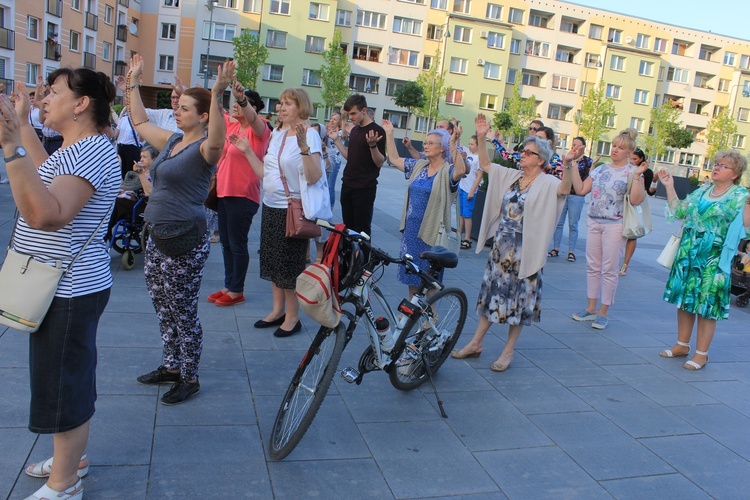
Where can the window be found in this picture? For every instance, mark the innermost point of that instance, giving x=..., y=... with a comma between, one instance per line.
x=462, y=6
x=495, y=40
x=511, y=77
x=407, y=26
x=488, y=101
x=697, y=107
x=531, y=79
x=439, y=4
x=397, y=118
x=603, y=148
x=279, y=7
x=637, y=123
x=459, y=65
x=421, y=124
x=434, y=32
x=311, y=77
x=108, y=13
x=613, y=91
x=569, y=26
x=742, y=114
x=454, y=96
x=617, y=63
x=492, y=70
x=89, y=45
x=556, y=112
x=738, y=141
x=494, y=11
x=32, y=30
x=343, y=18
x=642, y=41
x=724, y=85
x=366, y=52
x=703, y=81
x=419, y=2
x=646, y=68
x=75, y=4
x=169, y=31
x=744, y=62
x=32, y=73
x=426, y=62
x=614, y=35
x=276, y=39
x=667, y=157
x=403, y=57
x=227, y=4
x=566, y=83
x=315, y=44
x=363, y=83
x=680, y=48
x=221, y=31
x=75, y=41
x=595, y=31
x=538, y=20
x=273, y=72
x=271, y=103
x=689, y=159
x=515, y=16
x=661, y=74
x=705, y=54
x=641, y=96
x=253, y=6
x=565, y=55
x=592, y=60
x=718, y=110
x=462, y=34
x=391, y=86
x=660, y=45
x=106, y=51
x=318, y=11
x=166, y=63
x=540, y=49
x=729, y=58
x=171, y=3
x=515, y=46
x=371, y=19
x=677, y=75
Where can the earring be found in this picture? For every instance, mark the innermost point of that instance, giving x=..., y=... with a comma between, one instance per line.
x=75, y=117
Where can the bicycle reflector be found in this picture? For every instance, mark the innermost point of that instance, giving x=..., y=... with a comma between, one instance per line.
x=407, y=308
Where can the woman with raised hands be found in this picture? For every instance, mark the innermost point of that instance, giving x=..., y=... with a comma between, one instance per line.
x=179, y=245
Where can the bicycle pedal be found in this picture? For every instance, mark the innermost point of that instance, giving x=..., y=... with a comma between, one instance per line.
x=350, y=374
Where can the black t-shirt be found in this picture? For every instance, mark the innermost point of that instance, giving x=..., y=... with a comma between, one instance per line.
x=361, y=171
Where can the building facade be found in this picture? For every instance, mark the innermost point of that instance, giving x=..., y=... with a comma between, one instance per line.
x=557, y=51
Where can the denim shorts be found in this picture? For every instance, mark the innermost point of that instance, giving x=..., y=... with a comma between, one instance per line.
x=62, y=364
x=465, y=205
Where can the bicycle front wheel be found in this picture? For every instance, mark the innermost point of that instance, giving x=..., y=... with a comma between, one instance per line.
x=431, y=336
x=307, y=390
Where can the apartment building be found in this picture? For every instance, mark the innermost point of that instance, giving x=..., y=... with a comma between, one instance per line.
x=556, y=50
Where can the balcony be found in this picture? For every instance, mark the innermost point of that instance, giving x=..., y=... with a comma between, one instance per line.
x=54, y=7
x=92, y=21
x=124, y=3
x=52, y=50
x=121, y=33
x=7, y=39
x=9, y=84
x=121, y=67
x=89, y=60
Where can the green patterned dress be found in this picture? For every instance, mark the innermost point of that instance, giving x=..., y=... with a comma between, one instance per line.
x=696, y=284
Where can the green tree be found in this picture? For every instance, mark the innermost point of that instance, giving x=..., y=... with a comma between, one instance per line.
x=250, y=56
x=720, y=130
x=433, y=86
x=596, y=111
x=334, y=73
x=410, y=96
x=520, y=110
x=502, y=121
x=666, y=130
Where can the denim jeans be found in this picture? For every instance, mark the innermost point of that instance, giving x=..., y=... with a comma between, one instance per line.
x=235, y=217
x=572, y=209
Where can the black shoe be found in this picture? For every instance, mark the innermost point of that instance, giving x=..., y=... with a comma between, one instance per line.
x=280, y=332
x=180, y=392
x=158, y=376
x=265, y=324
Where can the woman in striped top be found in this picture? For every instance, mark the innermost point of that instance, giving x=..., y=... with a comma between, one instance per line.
x=61, y=203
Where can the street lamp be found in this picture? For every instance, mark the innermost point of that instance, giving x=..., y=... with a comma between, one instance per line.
x=446, y=35
x=210, y=5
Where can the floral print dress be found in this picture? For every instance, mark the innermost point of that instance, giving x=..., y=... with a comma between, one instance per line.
x=503, y=296
x=696, y=284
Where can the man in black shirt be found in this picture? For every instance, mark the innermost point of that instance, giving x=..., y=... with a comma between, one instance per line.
x=364, y=157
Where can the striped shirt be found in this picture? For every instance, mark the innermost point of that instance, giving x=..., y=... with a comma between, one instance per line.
x=94, y=159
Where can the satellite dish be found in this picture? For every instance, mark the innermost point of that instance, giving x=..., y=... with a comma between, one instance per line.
x=133, y=28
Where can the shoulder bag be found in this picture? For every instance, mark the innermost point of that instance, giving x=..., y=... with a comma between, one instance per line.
x=28, y=286
x=297, y=225
x=448, y=237
x=636, y=220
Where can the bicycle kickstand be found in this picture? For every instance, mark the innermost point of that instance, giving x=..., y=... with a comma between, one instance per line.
x=432, y=382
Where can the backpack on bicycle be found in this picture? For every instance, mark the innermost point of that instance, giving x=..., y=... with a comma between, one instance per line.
x=317, y=287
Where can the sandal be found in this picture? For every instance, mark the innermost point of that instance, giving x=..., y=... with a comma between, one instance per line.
x=667, y=353
x=42, y=469
x=571, y=257
x=692, y=365
x=75, y=492
x=465, y=244
x=553, y=253
x=623, y=270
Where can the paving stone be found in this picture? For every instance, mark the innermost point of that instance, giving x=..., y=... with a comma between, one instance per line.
x=721, y=423
x=734, y=394
x=569, y=368
x=351, y=478
x=661, y=387
x=122, y=430
x=14, y=349
x=20, y=441
x=662, y=486
x=15, y=395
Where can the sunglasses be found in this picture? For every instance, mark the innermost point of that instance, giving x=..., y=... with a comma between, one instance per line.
x=529, y=152
x=533, y=129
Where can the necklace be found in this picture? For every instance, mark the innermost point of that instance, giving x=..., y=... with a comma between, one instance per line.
x=713, y=194
x=520, y=182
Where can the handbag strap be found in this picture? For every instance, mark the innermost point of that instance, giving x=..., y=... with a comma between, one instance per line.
x=281, y=170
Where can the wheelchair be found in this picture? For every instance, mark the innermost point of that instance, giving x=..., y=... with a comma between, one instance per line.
x=129, y=234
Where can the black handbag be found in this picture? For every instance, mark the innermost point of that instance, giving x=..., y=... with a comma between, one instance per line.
x=176, y=238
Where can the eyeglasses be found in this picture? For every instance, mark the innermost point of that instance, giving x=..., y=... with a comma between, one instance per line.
x=722, y=165
x=174, y=97
x=533, y=129
x=529, y=152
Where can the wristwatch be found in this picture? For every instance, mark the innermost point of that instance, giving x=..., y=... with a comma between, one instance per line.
x=20, y=153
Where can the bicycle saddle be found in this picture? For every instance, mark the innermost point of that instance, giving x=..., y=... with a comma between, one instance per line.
x=441, y=256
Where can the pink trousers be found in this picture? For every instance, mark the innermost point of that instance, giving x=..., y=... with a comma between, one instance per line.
x=604, y=244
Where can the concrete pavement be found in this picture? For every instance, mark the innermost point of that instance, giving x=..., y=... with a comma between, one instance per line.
x=580, y=413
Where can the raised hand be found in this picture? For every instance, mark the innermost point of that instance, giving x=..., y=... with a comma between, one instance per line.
x=10, y=129
x=406, y=141
x=23, y=101
x=240, y=142
x=641, y=168
x=387, y=126
x=457, y=131
x=136, y=68
x=332, y=133
x=481, y=125
x=665, y=178
x=224, y=77
x=373, y=137
x=238, y=91
x=301, y=131
x=178, y=86
x=120, y=82
x=573, y=154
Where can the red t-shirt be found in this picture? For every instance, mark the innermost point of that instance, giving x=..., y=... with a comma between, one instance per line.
x=235, y=176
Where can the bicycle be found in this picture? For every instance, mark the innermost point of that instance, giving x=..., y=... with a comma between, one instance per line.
x=425, y=333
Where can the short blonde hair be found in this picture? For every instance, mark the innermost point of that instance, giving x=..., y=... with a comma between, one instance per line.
x=626, y=139
x=739, y=163
x=301, y=99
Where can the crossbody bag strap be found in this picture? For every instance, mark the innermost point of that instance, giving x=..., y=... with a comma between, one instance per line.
x=281, y=170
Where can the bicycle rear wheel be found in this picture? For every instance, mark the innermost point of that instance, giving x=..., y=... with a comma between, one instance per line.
x=446, y=312
x=307, y=390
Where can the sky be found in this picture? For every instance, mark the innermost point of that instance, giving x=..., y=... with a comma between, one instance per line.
x=724, y=17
